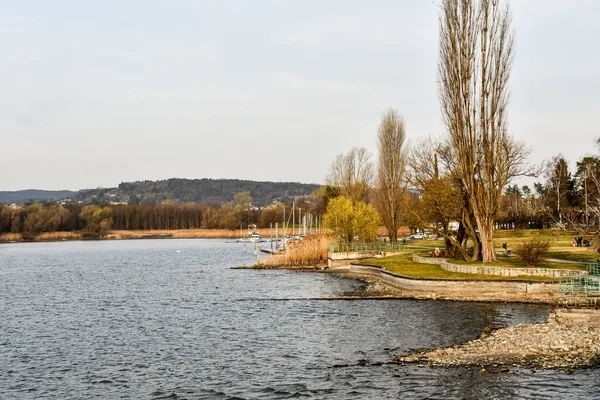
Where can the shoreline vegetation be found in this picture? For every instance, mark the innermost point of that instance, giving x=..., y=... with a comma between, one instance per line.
x=311, y=252
x=134, y=234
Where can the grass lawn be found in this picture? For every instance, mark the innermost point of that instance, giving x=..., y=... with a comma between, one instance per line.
x=514, y=242
x=557, y=238
x=515, y=262
x=560, y=243
x=426, y=243
x=560, y=247
x=403, y=264
x=585, y=254
x=529, y=233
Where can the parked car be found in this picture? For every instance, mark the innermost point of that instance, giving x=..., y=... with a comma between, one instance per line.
x=418, y=236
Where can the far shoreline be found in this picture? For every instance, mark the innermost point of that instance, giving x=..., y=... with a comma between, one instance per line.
x=133, y=235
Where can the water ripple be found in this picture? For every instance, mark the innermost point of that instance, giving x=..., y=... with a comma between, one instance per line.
x=169, y=319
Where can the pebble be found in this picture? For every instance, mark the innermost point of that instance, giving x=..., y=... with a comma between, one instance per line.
x=552, y=345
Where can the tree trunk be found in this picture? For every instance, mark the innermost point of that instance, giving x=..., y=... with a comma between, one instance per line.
x=558, y=206
x=450, y=250
x=486, y=229
x=393, y=233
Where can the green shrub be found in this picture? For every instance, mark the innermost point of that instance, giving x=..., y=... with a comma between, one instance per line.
x=532, y=251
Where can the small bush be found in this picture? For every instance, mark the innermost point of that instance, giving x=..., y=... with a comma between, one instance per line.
x=533, y=251
x=28, y=236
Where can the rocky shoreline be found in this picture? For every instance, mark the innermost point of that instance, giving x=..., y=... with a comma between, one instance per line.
x=570, y=340
x=561, y=344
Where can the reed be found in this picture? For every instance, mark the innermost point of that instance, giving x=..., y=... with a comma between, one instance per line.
x=186, y=234
x=51, y=236
x=312, y=251
x=11, y=237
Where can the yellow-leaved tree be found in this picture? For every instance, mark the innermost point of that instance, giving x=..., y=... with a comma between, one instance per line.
x=97, y=220
x=350, y=220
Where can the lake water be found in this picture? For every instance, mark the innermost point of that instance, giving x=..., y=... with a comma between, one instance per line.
x=158, y=319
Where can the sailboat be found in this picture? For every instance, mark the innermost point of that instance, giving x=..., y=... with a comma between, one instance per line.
x=253, y=235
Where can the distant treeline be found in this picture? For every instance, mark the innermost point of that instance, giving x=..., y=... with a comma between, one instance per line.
x=99, y=219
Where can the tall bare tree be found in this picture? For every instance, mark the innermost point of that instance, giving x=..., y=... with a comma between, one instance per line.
x=588, y=171
x=391, y=171
x=559, y=186
x=353, y=174
x=476, y=52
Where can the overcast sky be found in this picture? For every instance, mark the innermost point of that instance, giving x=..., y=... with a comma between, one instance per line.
x=94, y=93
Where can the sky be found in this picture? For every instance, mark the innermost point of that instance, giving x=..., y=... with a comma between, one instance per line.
x=94, y=93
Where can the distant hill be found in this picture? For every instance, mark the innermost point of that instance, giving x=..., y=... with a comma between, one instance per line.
x=196, y=190
x=31, y=195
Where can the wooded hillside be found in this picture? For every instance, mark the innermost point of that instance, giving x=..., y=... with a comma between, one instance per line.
x=24, y=196
x=202, y=191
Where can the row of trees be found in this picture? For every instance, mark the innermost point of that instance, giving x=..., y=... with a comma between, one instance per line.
x=99, y=219
x=464, y=177
x=564, y=199
x=359, y=185
x=40, y=218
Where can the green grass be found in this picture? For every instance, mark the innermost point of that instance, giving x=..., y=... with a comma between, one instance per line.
x=515, y=262
x=586, y=255
x=512, y=242
x=403, y=264
x=560, y=243
x=538, y=233
x=557, y=238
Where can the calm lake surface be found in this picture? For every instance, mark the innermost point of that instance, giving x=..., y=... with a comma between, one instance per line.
x=157, y=319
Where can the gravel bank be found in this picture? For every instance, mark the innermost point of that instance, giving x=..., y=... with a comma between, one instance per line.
x=555, y=345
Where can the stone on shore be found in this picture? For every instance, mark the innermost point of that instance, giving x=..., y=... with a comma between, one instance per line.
x=565, y=344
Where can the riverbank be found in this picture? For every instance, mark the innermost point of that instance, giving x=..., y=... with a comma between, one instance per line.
x=564, y=343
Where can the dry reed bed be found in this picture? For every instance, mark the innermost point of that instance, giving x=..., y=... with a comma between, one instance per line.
x=122, y=234
x=50, y=236
x=42, y=237
x=10, y=237
x=187, y=234
x=312, y=251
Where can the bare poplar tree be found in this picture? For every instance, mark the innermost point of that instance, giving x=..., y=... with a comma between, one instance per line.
x=391, y=171
x=353, y=174
x=476, y=52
